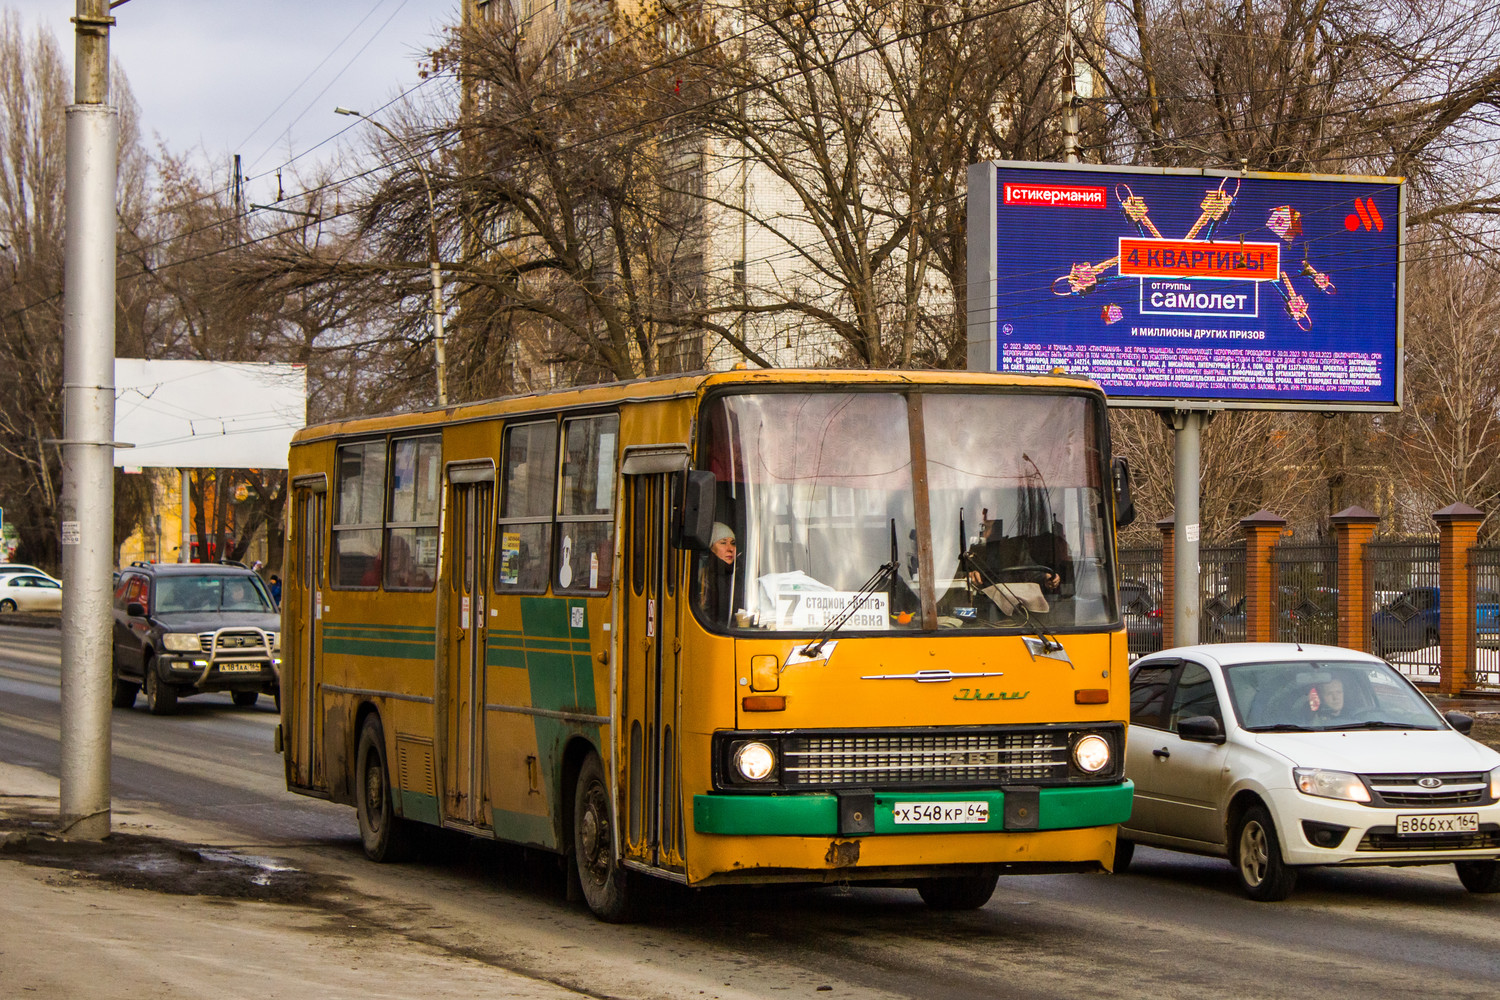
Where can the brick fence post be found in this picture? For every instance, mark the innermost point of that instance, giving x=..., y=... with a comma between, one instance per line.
x=1168, y=581
x=1262, y=530
x=1353, y=527
x=1458, y=530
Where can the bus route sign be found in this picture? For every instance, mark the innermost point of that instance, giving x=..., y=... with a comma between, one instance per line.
x=1216, y=288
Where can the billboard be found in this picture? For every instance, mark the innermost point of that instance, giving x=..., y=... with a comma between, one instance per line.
x=1202, y=289
x=207, y=414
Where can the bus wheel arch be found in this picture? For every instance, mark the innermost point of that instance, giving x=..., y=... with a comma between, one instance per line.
x=385, y=835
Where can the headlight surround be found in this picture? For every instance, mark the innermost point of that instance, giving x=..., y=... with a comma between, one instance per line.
x=1330, y=784
x=182, y=642
x=1092, y=754
x=274, y=638
x=754, y=762
x=1495, y=783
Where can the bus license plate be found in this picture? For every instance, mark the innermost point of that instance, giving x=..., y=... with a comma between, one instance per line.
x=1419, y=824
x=940, y=812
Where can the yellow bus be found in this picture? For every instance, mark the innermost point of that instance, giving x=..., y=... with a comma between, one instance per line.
x=744, y=627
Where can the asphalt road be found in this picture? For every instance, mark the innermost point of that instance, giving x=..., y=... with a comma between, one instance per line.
x=1175, y=927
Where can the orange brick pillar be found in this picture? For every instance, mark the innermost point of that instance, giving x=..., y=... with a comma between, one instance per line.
x=1458, y=529
x=1262, y=530
x=1353, y=527
x=1168, y=581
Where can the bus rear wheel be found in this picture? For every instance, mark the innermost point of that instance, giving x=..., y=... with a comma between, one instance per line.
x=606, y=885
x=386, y=836
x=957, y=893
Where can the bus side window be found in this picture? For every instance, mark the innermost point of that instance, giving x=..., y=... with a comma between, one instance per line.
x=358, y=516
x=528, y=485
x=584, y=554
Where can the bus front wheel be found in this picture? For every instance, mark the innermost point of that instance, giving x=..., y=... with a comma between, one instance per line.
x=386, y=836
x=957, y=893
x=606, y=885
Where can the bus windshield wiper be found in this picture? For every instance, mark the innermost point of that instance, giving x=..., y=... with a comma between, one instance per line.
x=882, y=573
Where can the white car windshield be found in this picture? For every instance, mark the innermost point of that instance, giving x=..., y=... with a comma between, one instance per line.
x=824, y=520
x=1304, y=695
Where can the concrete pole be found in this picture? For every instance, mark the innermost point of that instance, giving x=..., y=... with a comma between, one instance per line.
x=185, y=553
x=86, y=508
x=1185, y=531
x=1070, y=89
x=439, y=352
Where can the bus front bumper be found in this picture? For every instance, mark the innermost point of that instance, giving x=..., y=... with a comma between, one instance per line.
x=857, y=813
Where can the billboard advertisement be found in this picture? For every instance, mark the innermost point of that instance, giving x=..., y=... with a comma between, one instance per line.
x=1226, y=289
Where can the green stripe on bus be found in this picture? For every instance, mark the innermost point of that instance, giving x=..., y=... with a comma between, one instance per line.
x=365, y=630
x=523, y=828
x=389, y=649
x=416, y=806
x=817, y=814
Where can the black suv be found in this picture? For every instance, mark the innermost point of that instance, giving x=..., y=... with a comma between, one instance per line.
x=188, y=628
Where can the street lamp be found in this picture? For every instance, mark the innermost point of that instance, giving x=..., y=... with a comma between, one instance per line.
x=433, y=257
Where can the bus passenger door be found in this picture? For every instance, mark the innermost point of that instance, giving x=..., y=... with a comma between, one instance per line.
x=299, y=692
x=469, y=512
x=650, y=808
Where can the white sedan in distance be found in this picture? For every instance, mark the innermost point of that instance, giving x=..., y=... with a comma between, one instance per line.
x=30, y=592
x=1278, y=756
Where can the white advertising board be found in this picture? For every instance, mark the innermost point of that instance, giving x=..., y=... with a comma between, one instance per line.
x=207, y=414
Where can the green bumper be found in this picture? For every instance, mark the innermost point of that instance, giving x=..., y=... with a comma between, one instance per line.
x=817, y=814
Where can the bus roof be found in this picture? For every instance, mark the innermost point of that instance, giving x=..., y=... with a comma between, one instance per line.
x=669, y=386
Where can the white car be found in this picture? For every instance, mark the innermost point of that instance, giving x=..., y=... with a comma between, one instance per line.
x=15, y=569
x=30, y=592
x=1278, y=756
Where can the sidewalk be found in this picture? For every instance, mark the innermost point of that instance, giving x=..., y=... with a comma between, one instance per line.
x=156, y=913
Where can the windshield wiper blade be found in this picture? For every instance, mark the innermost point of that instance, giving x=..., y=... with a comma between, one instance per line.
x=1280, y=727
x=1378, y=724
x=884, y=571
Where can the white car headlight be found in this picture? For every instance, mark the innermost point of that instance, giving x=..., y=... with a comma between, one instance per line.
x=755, y=761
x=182, y=642
x=1330, y=784
x=1495, y=783
x=1091, y=754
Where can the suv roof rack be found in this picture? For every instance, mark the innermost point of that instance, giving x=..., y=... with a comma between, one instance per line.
x=232, y=562
x=140, y=562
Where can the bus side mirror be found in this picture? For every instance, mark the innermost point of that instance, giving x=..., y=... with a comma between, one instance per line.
x=1119, y=473
x=696, y=523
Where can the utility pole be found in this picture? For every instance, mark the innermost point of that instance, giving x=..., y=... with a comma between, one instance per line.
x=1070, y=88
x=87, y=504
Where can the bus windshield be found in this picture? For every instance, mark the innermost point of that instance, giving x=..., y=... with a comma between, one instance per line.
x=817, y=495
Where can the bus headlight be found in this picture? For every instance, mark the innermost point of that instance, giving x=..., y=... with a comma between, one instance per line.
x=182, y=642
x=1091, y=754
x=755, y=762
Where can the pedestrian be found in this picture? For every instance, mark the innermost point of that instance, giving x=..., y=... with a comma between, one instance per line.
x=276, y=589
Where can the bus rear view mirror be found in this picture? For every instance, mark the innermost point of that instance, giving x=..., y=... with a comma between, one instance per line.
x=1124, y=506
x=697, y=510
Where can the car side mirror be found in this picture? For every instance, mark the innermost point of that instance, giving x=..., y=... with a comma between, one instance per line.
x=696, y=513
x=1201, y=729
x=1459, y=721
x=135, y=609
x=1119, y=474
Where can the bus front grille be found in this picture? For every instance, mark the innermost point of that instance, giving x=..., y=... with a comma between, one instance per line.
x=929, y=759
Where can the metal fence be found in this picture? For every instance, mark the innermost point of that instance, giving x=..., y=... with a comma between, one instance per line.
x=1307, y=593
x=1221, y=592
x=1140, y=599
x=1402, y=578
x=1484, y=585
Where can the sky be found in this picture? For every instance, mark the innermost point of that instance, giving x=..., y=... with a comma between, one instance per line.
x=258, y=77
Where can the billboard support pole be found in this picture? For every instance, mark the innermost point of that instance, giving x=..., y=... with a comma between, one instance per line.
x=1187, y=426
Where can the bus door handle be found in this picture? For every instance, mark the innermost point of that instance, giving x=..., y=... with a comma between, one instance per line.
x=1161, y=752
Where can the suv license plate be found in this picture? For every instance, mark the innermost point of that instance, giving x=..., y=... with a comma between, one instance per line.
x=1425, y=823
x=940, y=812
x=239, y=668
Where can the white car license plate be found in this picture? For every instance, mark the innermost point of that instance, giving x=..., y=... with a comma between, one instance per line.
x=1423, y=823
x=940, y=812
x=238, y=668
